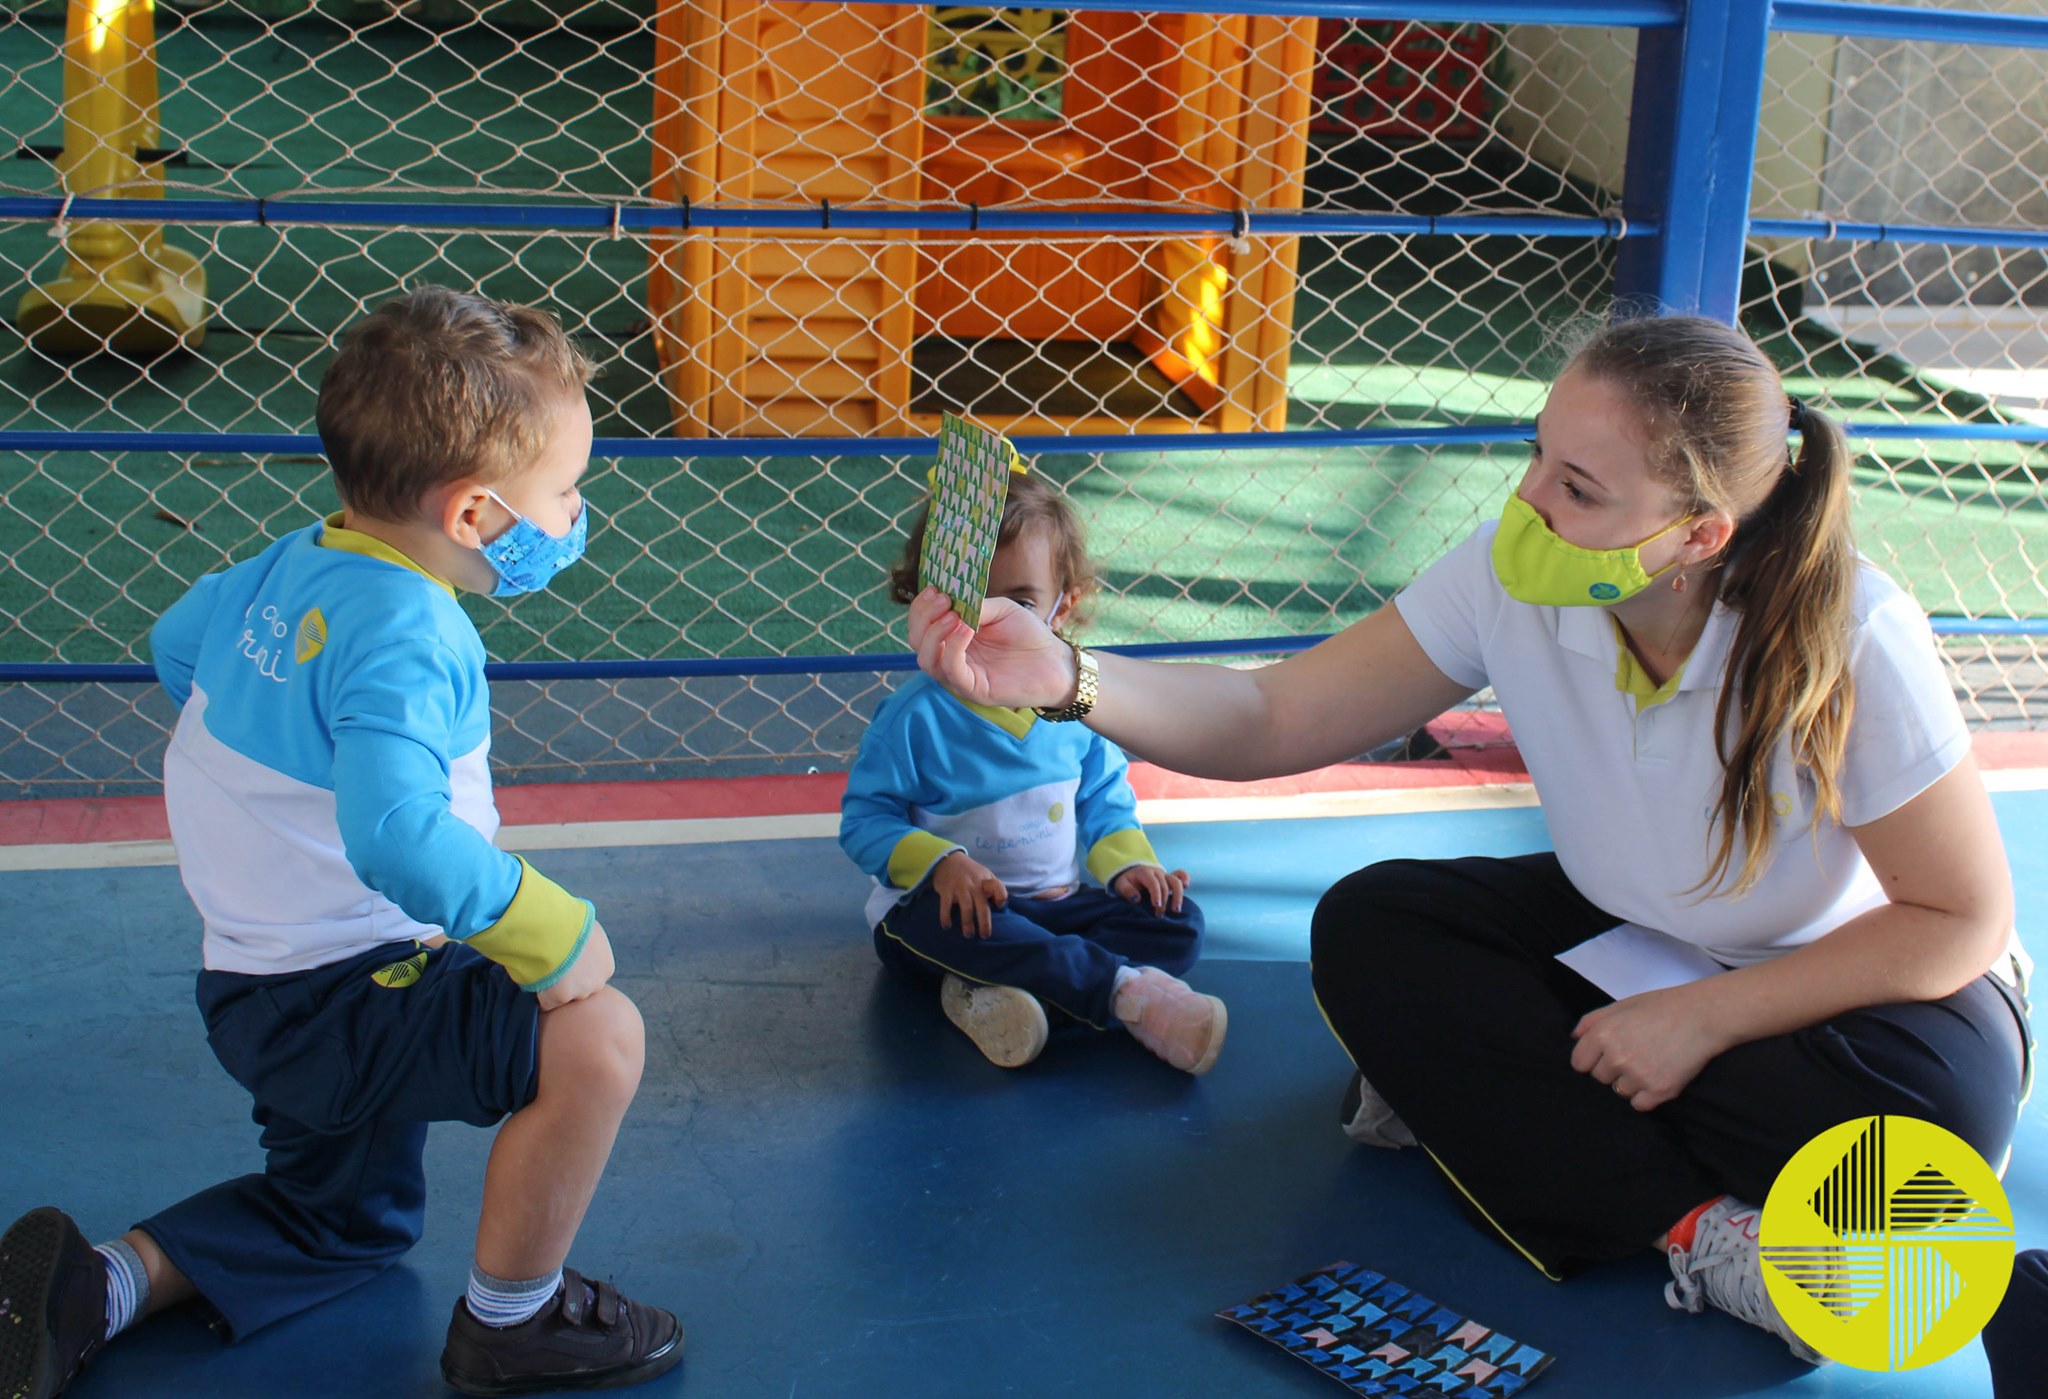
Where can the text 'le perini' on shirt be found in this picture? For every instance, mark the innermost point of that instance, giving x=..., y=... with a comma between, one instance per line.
x=1033, y=801
x=327, y=781
x=1628, y=774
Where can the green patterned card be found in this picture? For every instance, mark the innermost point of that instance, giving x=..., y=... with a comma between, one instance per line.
x=968, y=488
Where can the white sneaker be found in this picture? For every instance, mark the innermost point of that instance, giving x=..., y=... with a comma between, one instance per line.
x=1724, y=1268
x=1369, y=1121
x=1005, y=1023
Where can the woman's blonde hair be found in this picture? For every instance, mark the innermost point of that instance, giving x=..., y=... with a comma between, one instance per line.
x=1715, y=420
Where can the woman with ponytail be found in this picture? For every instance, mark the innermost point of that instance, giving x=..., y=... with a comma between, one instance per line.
x=1751, y=763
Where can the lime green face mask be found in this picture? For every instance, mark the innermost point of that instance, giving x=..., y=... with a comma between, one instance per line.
x=1539, y=568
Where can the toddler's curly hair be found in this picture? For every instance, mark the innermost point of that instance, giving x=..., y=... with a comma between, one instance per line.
x=1033, y=503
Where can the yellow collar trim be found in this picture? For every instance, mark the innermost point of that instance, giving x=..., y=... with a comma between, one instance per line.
x=1014, y=722
x=354, y=541
x=1631, y=679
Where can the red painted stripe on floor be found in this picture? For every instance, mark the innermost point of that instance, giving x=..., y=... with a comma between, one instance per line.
x=72, y=821
x=680, y=799
x=83, y=821
x=1477, y=750
x=2010, y=748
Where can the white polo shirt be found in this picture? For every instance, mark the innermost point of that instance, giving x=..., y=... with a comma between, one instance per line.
x=1629, y=797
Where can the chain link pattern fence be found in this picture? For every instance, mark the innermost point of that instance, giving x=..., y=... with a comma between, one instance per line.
x=1926, y=135
x=709, y=332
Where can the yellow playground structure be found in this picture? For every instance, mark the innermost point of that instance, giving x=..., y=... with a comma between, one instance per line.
x=788, y=103
x=122, y=286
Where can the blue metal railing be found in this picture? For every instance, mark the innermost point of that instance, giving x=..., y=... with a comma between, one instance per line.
x=1682, y=236
x=729, y=667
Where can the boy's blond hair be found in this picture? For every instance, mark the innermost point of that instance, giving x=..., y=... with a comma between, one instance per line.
x=437, y=385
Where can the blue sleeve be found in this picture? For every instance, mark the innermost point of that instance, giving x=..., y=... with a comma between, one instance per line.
x=875, y=829
x=393, y=722
x=174, y=640
x=1106, y=814
x=1104, y=804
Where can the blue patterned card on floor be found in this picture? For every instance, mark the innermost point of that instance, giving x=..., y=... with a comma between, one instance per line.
x=1381, y=1338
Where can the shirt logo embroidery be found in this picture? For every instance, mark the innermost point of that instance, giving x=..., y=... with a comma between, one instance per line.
x=273, y=628
x=312, y=635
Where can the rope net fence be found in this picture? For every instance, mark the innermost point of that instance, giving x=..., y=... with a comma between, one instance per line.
x=717, y=335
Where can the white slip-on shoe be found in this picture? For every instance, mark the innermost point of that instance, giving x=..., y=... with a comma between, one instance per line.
x=1006, y=1024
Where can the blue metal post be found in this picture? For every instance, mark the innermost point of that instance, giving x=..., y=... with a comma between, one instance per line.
x=1692, y=155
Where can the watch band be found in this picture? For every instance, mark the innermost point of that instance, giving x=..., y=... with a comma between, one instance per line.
x=1086, y=675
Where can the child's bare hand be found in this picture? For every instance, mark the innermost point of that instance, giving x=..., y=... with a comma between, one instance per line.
x=1163, y=889
x=591, y=970
x=964, y=885
x=1013, y=660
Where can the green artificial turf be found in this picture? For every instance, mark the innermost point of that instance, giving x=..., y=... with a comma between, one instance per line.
x=730, y=556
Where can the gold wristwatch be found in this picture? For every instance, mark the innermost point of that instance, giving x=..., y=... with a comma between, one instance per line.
x=1086, y=674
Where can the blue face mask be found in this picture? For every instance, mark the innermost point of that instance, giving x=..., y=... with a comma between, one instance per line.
x=526, y=557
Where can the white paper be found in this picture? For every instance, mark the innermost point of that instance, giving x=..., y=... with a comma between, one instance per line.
x=1629, y=960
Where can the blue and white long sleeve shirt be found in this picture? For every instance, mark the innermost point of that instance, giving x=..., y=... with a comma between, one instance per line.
x=327, y=782
x=1034, y=802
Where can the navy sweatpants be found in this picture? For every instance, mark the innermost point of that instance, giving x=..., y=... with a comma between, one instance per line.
x=1440, y=977
x=1064, y=951
x=2016, y=1341
x=348, y=1063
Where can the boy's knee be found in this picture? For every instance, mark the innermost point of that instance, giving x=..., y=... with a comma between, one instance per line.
x=601, y=1040
x=625, y=1038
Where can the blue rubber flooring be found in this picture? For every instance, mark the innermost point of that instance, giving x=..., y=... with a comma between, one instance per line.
x=838, y=1195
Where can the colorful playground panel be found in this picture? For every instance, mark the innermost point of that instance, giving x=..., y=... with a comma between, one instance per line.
x=1405, y=79
x=1381, y=1338
x=764, y=102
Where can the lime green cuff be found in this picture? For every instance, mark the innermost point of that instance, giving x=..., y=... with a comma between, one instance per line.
x=914, y=856
x=541, y=933
x=1117, y=852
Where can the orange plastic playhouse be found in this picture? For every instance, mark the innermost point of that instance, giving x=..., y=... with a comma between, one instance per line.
x=769, y=103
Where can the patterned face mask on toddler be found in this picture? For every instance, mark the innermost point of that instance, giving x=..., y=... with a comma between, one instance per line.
x=526, y=557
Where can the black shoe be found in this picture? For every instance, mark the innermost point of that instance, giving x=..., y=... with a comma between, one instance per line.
x=586, y=1337
x=53, y=1304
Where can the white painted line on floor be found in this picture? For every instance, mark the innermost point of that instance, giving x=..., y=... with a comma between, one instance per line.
x=1164, y=811
x=1384, y=801
x=607, y=835
x=87, y=855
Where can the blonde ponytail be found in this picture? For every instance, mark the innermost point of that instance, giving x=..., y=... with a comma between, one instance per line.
x=1791, y=576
